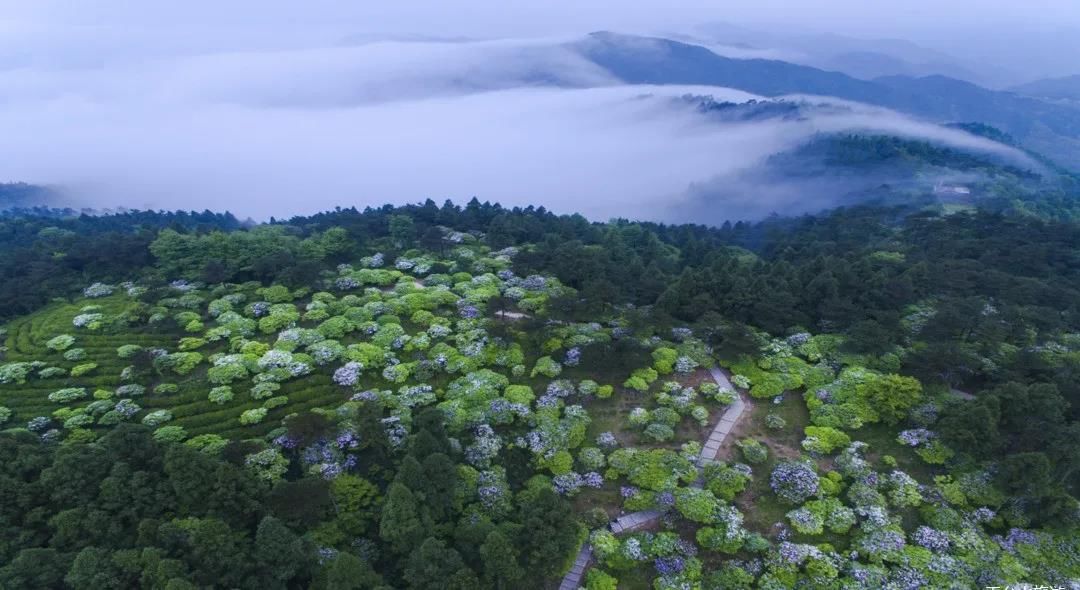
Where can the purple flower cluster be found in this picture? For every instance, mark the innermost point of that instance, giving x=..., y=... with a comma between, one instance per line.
x=907, y=578
x=537, y=441
x=685, y=364
x=127, y=408
x=681, y=334
x=983, y=514
x=794, y=481
x=469, y=312
x=485, y=446
x=573, y=357
x=669, y=566
x=491, y=488
x=567, y=484
x=534, y=283
x=798, y=339
x=98, y=290
x=783, y=532
x=607, y=441
x=395, y=432
x=346, y=283
x=349, y=374
x=369, y=395
x=503, y=411
x=326, y=554
x=319, y=452
x=592, y=479
x=915, y=437
x=628, y=491
x=347, y=439
x=286, y=442
x=881, y=541
x=930, y=538
x=632, y=550
x=38, y=424
x=260, y=308
x=1014, y=537
x=665, y=499
x=795, y=553
x=925, y=414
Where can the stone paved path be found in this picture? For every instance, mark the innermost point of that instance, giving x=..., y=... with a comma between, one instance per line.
x=725, y=424
x=628, y=522
x=573, y=578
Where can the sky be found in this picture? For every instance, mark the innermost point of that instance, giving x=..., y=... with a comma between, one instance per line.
x=278, y=108
x=531, y=18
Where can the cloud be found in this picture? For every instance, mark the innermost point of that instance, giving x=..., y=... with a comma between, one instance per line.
x=289, y=131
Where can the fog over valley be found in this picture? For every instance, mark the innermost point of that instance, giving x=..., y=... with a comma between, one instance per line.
x=283, y=131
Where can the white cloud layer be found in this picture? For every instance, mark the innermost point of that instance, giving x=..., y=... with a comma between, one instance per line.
x=289, y=131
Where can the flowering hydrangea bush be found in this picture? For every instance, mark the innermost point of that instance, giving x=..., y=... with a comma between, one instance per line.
x=253, y=416
x=930, y=538
x=607, y=441
x=61, y=342
x=67, y=395
x=485, y=446
x=753, y=451
x=685, y=365
x=806, y=521
x=98, y=290
x=268, y=464
x=220, y=395
x=573, y=357
x=349, y=374
x=90, y=321
x=38, y=424
x=915, y=437
x=794, y=481
x=157, y=418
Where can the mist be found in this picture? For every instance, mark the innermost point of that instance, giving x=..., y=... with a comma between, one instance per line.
x=295, y=126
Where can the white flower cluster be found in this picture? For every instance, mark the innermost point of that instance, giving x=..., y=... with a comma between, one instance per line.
x=98, y=290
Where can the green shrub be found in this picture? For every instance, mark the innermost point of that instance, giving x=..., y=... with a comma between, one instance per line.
x=127, y=351
x=753, y=452
x=659, y=432
x=275, y=402
x=824, y=440
x=157, y=417
x=66, y=395
x=547, y=367
x=170, y=434
x=775, y=422
x=83, y=369
x=664, y=360
x=166, y=388
x=60, y=343
x=599, y=580
x=253, y=416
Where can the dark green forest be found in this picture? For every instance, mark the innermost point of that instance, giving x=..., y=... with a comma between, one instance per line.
x=982, y=300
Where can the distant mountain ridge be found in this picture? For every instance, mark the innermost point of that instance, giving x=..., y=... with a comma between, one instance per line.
x=1053, y=128
x=1066, y=88
x=17, y=195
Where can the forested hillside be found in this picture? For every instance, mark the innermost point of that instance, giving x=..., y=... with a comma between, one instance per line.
x=460, y=397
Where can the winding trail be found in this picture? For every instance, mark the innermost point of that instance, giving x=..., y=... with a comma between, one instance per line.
x=634, y=520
